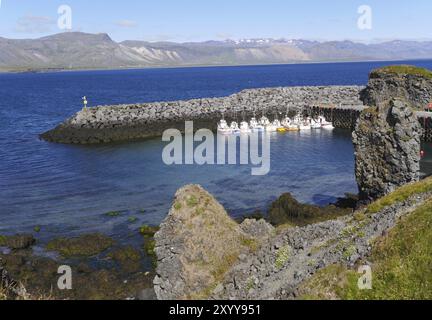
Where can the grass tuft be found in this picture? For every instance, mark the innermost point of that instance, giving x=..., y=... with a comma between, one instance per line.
x=404, y=70
x=401, y=194
x=282, y=256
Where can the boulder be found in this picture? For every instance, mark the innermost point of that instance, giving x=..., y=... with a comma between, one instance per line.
x=387, y=148
x=196, y=245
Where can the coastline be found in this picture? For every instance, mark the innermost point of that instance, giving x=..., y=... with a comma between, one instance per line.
x=61, y=69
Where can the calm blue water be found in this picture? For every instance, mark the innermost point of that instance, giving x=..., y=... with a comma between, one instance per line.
x=67, y=189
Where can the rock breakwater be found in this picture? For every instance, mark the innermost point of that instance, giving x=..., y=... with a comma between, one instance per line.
x=106, y=124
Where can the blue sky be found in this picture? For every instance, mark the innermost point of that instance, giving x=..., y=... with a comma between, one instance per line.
x=198, y=20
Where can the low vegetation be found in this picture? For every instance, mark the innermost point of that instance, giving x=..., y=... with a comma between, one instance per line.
x=401, y=194
x=288, y=211
x=401, y=266
x=404, y=70
x=282, y=256
x=128, y=258
x=83, y=246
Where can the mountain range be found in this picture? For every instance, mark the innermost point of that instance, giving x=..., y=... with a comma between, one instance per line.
x=77, y=50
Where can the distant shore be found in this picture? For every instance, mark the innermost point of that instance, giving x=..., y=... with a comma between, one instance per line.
x=65, y=69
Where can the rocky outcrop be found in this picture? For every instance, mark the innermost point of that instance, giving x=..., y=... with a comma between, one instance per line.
x=197, y=244
x=132, y=122
x=387, y=148
x=195, y=250
x=406, y=82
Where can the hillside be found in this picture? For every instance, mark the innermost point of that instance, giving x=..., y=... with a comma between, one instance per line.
x=401, y=265
x=76, y=50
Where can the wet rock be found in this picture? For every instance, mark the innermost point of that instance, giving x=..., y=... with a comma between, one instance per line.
x=287, y=210
x=128, y=258
x=17, y=242
x=387, y=149
x=148, y=231
x=147, y=294
x=86, y=245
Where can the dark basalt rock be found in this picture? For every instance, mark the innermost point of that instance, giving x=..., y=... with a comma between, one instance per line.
x=387, y=149
x=405, y=82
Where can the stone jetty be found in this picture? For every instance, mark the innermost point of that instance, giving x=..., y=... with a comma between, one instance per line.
x=104, y=124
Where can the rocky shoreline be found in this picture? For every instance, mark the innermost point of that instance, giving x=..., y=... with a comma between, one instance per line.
x=106, y=124
x=101, y=268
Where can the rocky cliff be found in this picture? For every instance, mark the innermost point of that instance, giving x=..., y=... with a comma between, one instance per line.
x=406, y=82
x=387, y=148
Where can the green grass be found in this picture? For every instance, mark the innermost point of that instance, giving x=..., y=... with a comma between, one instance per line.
x=403, y=70
x=250, y=243
x=282, y=257
x=192, y=201
x=401, y=194
x=401, y=269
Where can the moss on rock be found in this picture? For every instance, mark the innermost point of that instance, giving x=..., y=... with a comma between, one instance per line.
x=287, y=210
x=128, y=258
x=148, y=231
x=85, y=245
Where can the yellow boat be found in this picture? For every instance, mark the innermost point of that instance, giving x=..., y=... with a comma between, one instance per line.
x=281, y=130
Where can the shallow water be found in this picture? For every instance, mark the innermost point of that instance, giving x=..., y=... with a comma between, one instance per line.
x=68, y=189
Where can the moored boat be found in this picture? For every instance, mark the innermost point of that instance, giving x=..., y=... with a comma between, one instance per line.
x=325, y=124
x=223, y=127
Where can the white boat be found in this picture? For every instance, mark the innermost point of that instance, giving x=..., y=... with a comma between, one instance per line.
x=325, y=124
x=286, y=122
x=315, y=125
x=301, y=123
x=270, y=127
x=234, y=128
x=244, y=127
x=278, y=125
x=289, y=124
x=305, y=124
x=255, y=126
x=264, y=121
x=223, y=127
